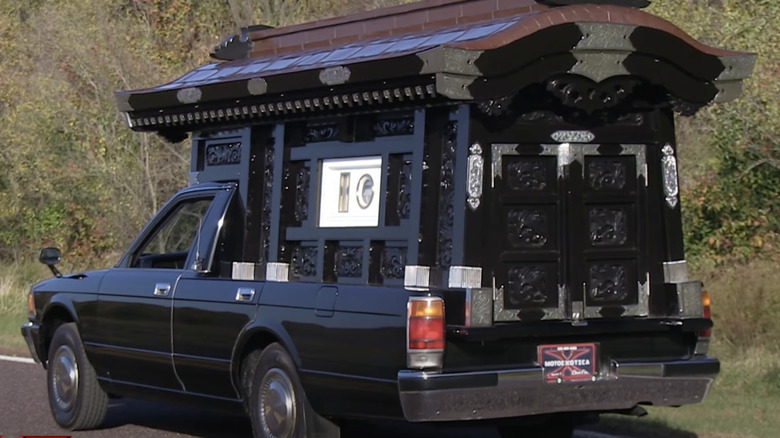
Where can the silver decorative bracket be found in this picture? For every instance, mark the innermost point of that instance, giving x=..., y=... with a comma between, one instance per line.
x=669, y=166
x=476, y=165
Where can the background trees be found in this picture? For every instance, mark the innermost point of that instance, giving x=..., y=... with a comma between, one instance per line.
x=73, y=175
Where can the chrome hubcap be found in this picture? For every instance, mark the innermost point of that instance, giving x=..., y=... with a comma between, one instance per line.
x=65, y=377
x=277, y=404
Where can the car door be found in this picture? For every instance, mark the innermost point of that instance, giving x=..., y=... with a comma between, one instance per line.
x=135, y=299
x=210, y=310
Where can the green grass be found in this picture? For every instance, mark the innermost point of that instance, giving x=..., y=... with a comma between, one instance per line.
x=11, y=340
x=15, y=281
x=725, y=413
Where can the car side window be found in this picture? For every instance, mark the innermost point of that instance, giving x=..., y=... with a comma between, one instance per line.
x=171, y=241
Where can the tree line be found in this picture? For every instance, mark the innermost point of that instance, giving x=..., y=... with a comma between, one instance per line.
x=73, y=175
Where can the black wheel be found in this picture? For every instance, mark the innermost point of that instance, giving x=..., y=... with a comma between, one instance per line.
x=277, y=406
x=76, y=399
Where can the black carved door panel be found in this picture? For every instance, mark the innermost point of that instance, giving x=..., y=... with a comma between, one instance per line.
x=609, y=260
x=566, y=231
x=527, y=233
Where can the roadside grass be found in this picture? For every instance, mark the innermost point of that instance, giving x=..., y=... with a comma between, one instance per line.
x=15, y=281
x=743, y=403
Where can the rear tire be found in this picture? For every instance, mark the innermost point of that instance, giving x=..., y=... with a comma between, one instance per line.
x=76, y=399
x=277, y=405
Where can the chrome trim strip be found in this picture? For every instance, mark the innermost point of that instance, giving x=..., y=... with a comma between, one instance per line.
x=27, y=329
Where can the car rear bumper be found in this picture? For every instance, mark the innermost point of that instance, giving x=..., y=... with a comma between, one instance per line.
x=31, y=333
x=427, y=396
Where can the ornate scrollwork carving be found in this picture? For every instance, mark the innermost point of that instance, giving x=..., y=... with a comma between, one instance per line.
x=268, y=186
x=526, y=175
x=541, y=116
x=526, y=285
x=607, y=175
x=496, y=107
x=321, y=133
x=580, y=92
x=630, y=119
x=349, y=261
x=683, y=107
x=608, y=284
x=447, y=194
x=528, y=228
x=608, y=227
x=302, y=194
x=394, y=126
x=304, y=261
x=405, y=191
x=223, y=154
x=393, y=263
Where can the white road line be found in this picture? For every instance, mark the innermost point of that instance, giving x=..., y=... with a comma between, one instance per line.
x=16, y=359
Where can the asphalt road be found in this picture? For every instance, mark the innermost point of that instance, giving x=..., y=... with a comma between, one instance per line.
x=24, y=410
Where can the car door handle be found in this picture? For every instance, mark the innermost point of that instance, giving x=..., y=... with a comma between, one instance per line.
x=245, y=294
x=162, y=289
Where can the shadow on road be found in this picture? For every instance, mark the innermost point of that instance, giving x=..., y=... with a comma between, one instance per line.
x=175, y=419
x=636, y=428
x=197, y=423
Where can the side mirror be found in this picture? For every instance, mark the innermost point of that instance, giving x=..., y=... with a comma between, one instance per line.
x=50, y=257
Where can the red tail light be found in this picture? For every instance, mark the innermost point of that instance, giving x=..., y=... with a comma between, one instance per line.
x=706, y=312
x=425, y=332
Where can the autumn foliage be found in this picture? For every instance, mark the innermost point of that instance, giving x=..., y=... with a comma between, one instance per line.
x=72, y=174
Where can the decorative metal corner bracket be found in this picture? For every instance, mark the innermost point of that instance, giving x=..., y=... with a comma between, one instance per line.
x=476, y=166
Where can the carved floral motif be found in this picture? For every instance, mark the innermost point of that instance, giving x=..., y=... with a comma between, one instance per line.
x=608, y=227
x=447, y=195
x=349, y=261
x=321, y=133
x=222, y=154
x=608, y=283
x=304, y=261
x=268, y=185
x=394, y=126
x=393, y=263
x=607, y=175
x=302, y=194
x=526, y=285
x=405, y=191
x=528, y=228
x=526, y=175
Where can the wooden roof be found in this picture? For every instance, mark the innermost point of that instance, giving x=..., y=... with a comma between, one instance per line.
x=434, y=50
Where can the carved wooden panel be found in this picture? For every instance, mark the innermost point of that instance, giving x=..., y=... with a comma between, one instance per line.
x=349, y=261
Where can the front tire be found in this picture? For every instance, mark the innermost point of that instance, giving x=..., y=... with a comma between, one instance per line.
x=277, y=406
x=76, y=399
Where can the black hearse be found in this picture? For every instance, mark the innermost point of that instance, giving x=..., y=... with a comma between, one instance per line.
x=447, y=210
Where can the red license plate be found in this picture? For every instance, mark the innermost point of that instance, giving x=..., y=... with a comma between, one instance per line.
x=568, y=362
